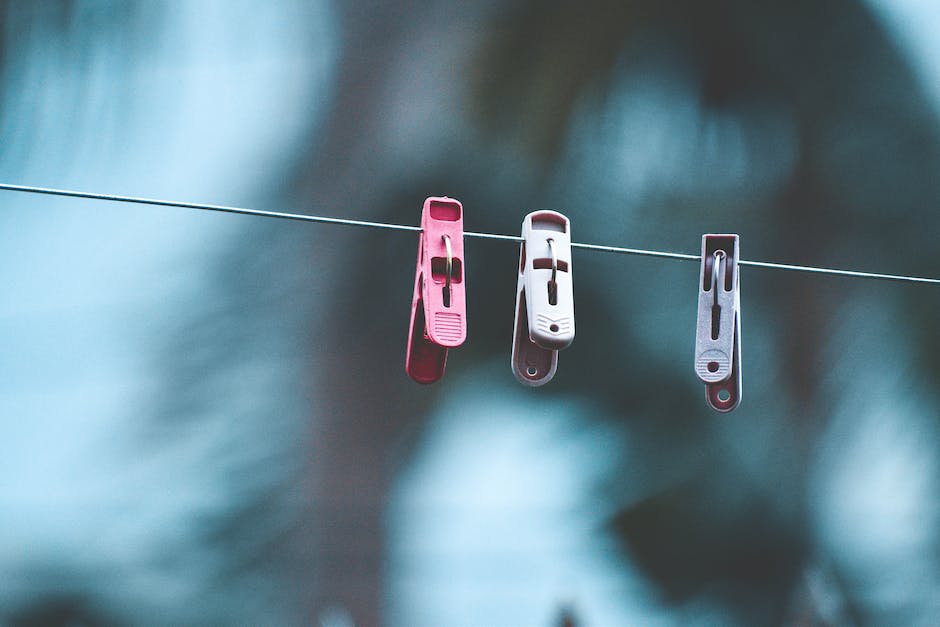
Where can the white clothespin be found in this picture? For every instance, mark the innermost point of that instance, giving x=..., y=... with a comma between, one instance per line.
x=544, y=297
x=718, y=332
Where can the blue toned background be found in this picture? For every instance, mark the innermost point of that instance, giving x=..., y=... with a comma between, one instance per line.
x=204, y=418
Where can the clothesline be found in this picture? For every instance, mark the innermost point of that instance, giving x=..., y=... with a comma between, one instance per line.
x=471, y=234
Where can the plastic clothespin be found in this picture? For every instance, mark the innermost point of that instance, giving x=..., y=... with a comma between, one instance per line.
x=439, y=306
x=718, y=333
x=544, y=297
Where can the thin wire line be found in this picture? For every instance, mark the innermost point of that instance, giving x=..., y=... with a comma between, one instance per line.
x=205, y=207
x=417, y=229
x=837, y=272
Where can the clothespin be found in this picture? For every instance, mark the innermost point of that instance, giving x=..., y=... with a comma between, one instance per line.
x=718, y=332
x=544, y=297
x=439, y=305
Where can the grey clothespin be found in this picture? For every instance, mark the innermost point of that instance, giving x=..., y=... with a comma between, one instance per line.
x=718, y=333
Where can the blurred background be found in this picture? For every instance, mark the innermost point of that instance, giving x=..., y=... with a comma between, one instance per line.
x=204, y=422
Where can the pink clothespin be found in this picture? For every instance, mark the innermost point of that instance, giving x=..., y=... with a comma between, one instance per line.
x=439, y=307
x=718, y=330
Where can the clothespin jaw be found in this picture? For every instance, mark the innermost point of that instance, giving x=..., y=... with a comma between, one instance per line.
x=544, y=322
x=439, y=304
x=718, y=330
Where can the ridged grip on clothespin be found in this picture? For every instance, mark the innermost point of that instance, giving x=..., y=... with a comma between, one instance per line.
x=544, y=321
